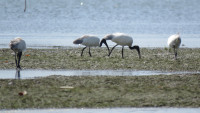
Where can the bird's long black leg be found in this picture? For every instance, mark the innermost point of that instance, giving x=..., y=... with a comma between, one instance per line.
x=122, y=51
x=112, y=49
x=16, y=59
x=83, y=50
x=89, y=52
x=175, y=53
x=19, y=55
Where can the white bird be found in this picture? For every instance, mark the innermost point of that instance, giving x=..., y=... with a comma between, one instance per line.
x=18, y=46
x=88, y=41
x=174, y=42
x=120, y=39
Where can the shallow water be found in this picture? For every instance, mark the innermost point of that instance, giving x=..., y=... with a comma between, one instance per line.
x=107, y=110
x=66, y=41
x=25, y=74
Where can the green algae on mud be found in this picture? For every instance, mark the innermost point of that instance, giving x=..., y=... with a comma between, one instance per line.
x=152, y=59
x=101, y=91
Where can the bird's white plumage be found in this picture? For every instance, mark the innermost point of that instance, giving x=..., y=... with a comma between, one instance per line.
x=120, y=39
x=174, y=41
x=18, y=45
x=88, y=40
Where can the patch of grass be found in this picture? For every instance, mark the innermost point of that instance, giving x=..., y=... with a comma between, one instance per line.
x=152, y=59
x=102, y=91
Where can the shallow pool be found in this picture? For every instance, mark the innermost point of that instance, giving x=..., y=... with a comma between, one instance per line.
x=24, y=74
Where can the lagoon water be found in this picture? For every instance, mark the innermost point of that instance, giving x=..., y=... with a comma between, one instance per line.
x=48, y=23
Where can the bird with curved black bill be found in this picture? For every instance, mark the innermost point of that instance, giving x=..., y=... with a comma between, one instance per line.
x=103, y=41
x=120, y=39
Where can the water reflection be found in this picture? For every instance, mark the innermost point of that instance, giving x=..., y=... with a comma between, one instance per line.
x=17, y=74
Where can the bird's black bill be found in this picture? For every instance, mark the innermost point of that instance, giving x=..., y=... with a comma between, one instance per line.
x=113, y=49
x=138, y=50
x=104, y=41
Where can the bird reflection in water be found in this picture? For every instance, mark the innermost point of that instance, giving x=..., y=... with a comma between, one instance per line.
x=17, y=74
x=18, y=45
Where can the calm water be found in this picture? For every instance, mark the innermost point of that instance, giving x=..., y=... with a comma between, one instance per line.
x=26, y=74
x=58, y=22
x=108, y=110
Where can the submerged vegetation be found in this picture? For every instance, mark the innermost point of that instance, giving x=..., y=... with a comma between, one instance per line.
x=152, y=59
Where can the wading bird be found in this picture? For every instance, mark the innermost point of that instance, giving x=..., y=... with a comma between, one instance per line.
x=120, y=39
x=174, y=42
x=88, y=41
x=18, y=46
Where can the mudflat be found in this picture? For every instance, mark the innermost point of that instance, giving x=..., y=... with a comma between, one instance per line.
x=152, y=59
x=57, y=91
x=101, y=91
